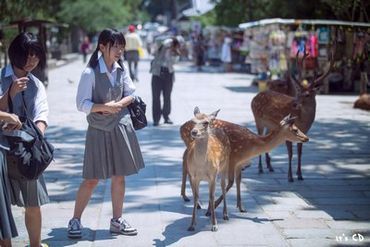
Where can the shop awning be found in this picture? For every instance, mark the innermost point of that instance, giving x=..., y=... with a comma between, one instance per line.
x=303, y=21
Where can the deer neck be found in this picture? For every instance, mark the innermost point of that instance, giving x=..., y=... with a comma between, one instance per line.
x=270, y=141
x=257, y=145
x=307, y=113
x=201, y=146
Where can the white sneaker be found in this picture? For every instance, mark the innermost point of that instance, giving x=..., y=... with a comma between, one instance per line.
x=74, y=228
x=121, y=226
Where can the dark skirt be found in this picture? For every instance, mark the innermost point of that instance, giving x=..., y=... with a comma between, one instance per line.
x=31, y=193
x=132, y=56
x=7, y=224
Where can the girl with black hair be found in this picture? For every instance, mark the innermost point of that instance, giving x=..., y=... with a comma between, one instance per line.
x=112, y=149
x=19, y=85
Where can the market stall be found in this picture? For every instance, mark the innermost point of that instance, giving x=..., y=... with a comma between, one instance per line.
x=273, y=45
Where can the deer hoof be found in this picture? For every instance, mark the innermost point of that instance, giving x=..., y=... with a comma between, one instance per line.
x=242, y=210
x=226, y=217
x=290, y=180
x=300, y=178
x=191, y=229
x=198, y=206
x=208, y=213
x=260, y=171
x=214, y=228
x=185, y=198
x=271, y=169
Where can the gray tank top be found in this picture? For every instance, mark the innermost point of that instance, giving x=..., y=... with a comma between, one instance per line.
x=103, y=92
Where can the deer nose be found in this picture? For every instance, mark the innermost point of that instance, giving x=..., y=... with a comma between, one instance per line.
x=194, y=133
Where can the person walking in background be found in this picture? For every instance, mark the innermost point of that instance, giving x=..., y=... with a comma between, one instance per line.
x=8, y=229
x=133, y=44
x=199, y=51
x=112, y=149
x=163, y=77
x=85, y=48
x=226, y=54
x=22, y=87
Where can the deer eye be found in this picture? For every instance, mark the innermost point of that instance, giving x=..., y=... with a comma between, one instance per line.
x=205, y=124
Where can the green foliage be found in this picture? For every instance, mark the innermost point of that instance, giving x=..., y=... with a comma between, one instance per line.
x=91, y=15
x=27, y=9
x=234, y=12
x=208, y=19
x=94, y=15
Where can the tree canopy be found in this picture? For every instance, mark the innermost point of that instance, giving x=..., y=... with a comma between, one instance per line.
x=234, y=12
x=93, y=15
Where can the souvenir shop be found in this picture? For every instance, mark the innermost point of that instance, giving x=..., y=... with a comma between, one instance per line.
x=273, y=45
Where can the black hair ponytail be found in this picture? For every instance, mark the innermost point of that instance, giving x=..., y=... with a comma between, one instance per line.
x=94, y=58
x=107, y=36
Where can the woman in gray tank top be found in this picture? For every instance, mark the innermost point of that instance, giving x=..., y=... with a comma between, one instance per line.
x=112, y=149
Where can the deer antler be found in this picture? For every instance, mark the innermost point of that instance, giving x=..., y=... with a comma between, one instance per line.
x=300, y=67
x=318, y=81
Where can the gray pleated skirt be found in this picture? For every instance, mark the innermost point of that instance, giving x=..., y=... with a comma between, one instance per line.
x=7, y=224
x=111, y=153
x=30, y=193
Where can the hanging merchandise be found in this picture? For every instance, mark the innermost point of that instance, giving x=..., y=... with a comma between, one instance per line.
x=349, y=43
x=283, y=63
x=313, y=45
x=359, y=52
x=339, y=36
x=324, y=35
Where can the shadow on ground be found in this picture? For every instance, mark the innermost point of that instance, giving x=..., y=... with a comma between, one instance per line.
x=335, y=166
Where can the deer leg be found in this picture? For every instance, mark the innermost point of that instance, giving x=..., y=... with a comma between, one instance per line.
x=260, y=169
x=268, y=162
x=299, y=151
x=260, y=132
x=184, y=175
x=212, y=187
x=267, y=157
x=290, y=155
x=238, y=194
x=195, y=189
x=228, y=187
x=223, y=188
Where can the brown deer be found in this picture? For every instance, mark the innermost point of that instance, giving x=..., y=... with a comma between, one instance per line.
x=269, y=107
x=244, y=146
x=207, y=156
x=363, y=102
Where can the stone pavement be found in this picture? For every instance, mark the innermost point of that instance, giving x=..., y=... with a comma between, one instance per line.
x=329, y=208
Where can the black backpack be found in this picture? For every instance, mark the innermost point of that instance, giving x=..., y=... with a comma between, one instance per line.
x=30, y=153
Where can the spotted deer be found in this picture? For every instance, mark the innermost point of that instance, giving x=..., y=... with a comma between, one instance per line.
x=244, y=146
x=207, y=156
x=269, y=107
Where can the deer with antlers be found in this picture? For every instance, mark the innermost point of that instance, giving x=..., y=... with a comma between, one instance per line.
x=207, y=156
x=244, y=145
x=269, y=107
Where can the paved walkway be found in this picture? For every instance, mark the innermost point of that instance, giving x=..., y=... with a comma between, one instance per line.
x=326, y=209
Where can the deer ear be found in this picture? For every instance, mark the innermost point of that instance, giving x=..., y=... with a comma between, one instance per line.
x=288, y=120
x=196, y=111
x=213, y=115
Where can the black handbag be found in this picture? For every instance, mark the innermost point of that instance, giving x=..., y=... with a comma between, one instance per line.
x=30, y=153
x=137, y=112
